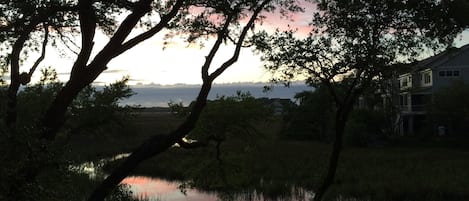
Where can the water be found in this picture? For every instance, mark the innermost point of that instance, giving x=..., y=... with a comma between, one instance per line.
x=162, y=190
x=159, y=96
x=156, y=189
x=93, y=169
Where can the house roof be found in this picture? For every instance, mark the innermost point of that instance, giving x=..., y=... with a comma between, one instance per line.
x=443, y=58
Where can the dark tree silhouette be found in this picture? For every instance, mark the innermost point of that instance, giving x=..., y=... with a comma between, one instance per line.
x=159, y=143
x=63, y=20
x=353, y=43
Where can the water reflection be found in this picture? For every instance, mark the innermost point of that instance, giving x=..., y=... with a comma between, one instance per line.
x=155, y=189
x=94, y=169
x=159, y=189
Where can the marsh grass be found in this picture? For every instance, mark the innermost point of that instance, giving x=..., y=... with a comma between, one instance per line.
x=404, y=169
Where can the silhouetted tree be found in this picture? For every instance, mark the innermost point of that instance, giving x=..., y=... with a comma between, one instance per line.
x=232, y=117
x=230, y=13
x=22, y=150
x=312, y=118
x=352, y=43
x=30, y=24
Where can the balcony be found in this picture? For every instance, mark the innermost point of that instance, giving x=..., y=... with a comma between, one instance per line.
x=412, y=108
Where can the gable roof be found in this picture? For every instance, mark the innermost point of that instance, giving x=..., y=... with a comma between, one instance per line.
x=444, y=57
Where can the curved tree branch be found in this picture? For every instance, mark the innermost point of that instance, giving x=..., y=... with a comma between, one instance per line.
x=65, y=40
x=239, y=44
x=148, y=34
x=43, y=53
x=209, y=58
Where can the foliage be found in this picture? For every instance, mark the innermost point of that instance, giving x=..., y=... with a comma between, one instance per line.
x=24, y=153
x=313, y=118
x=449, y=108
x=112, y=119
x=234, y=121
x=352, y=44
x=228, y=118
x=28, y=25
x=233, y=116
x=33, y=98
x=366, y=127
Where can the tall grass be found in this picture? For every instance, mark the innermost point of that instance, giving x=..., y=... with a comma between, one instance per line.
x=410, y=170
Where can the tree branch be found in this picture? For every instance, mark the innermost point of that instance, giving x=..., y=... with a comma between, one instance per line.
x=43, y=53
x=239, y=44
x=148, y=34
x=88, y=29
x=63, y=38
x=211, y=55
x=15, y=72
x=109, y=51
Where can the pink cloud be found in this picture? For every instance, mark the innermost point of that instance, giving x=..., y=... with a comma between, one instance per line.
x=299, y=21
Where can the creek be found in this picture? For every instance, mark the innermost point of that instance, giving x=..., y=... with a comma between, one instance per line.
x=159, y=189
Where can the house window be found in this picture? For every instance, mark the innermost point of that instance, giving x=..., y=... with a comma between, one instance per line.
x=427, y=78
x=403, y=99
x=404, y=82
x=448, y=73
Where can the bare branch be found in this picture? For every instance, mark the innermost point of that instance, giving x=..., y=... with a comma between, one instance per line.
x=148, y=34
x=65, y=39
x=209, y=58
x=239, y=44
x=115, y=43
x=43, y=52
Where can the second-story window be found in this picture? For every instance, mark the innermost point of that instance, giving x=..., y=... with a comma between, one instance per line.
x=404, y=82
x=448, y=73
x=427, y=79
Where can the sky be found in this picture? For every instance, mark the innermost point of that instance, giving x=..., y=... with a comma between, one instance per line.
x=178, y=63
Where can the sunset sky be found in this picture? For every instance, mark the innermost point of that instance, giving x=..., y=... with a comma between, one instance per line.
x=148, y=63
x=177, y=64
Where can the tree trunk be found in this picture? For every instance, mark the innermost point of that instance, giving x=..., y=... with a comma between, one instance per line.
x=12, y=103
x=340, y=122
x=55, y=115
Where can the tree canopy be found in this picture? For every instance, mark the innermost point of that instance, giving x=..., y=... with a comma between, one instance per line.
x=354, y=43
x=28, y=26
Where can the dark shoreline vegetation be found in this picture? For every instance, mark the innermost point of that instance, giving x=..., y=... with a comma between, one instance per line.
x=404, y=168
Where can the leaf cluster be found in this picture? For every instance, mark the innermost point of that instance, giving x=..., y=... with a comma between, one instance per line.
x=113, y=118
x=205, y=18
x=231, y=117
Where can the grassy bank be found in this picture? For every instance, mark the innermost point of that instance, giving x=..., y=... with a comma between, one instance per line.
x=365, y=173
x=402, y=170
